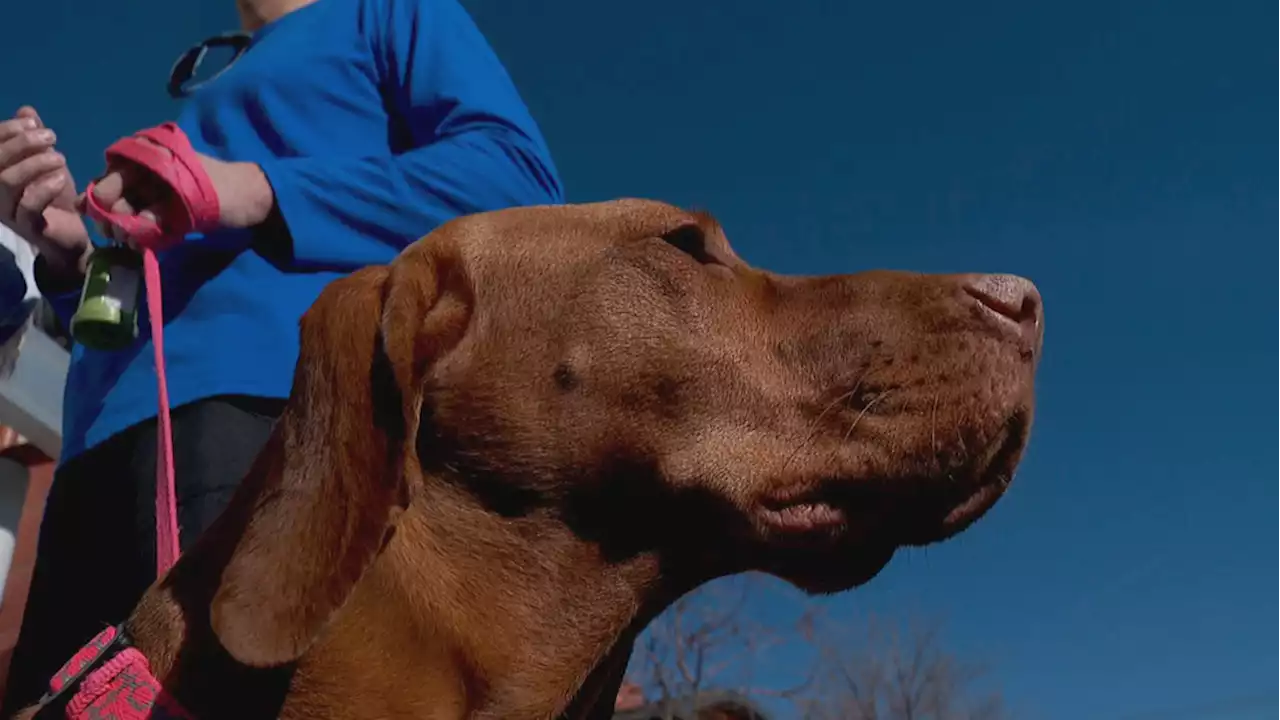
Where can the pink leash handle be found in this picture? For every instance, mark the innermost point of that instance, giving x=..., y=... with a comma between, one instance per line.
x=133, y=225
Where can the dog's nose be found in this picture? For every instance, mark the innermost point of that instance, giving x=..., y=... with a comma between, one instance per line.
x=1014, y=299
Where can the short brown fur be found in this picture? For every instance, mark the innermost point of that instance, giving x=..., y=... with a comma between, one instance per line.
x=508, y=450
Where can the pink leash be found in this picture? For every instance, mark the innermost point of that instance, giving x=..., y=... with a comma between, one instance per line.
x=106, y=680
x=166, y=152
x=109, y=678
x=167, y=546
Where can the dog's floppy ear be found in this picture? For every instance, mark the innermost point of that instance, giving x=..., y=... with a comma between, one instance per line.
x=326, y=490
x=427, y=309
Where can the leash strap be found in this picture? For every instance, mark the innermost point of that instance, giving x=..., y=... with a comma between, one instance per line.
x=167, y=545
x=166, y=152
x=109, y=679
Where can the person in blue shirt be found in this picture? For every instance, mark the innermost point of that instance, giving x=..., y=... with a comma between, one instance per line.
x=345, y=130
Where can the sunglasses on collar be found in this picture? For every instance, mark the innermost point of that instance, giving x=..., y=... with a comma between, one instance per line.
x=182, y=78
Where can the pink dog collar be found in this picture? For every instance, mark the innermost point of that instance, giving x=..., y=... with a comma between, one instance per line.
x=108, y=679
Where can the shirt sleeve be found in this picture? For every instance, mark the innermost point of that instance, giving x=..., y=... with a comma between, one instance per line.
x=62, y=293
x=63, y=297
x=471, y=145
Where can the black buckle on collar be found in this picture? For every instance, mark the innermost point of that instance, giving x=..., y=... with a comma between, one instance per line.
x=54, y=704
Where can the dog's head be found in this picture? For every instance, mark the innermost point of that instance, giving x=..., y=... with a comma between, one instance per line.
x=618, y=367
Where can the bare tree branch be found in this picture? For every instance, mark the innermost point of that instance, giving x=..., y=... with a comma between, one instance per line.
x=708, y=642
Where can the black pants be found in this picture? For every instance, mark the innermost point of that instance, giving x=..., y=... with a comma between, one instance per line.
x=97, y=547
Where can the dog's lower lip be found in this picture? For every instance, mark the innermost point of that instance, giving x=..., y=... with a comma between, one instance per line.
x=980, y=498
x=805, y=516
x=976, y=497
x=912, y=511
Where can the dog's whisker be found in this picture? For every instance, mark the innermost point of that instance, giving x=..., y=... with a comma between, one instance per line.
x=817, y=422
x=933, y=433
x=848, y=433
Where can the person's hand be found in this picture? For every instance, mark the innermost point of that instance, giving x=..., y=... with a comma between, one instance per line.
x=37, y=194
x=245, y=198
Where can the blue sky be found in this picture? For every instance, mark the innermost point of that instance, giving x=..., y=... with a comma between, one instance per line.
x=1118, y=153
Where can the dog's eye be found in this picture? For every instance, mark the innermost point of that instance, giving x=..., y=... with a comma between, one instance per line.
x=692, y=241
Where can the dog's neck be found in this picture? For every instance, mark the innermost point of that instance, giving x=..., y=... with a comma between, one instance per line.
x=492, y=616
x=466, y=613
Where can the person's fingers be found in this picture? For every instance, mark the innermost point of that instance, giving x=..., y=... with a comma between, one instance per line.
x=109, y=189
x=142, y=187
x=17, y=125
x=67, y=198
x=123, y=191
x=146, y=214
x=15, y=179
x=29, y=215
x=133, y=182
x=28, y=117
x=25, y=144
x=65, y=229
x=62, y=236
x=28, y=112
x=122, y=207
x=40, y=193
x=119, y=206
x=106, y=191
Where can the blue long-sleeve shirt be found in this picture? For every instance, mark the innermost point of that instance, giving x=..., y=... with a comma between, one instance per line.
x=374, y=121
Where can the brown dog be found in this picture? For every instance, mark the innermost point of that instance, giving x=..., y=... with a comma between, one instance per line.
x=511, y=448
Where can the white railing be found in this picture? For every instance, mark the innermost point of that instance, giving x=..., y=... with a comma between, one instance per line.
x=33, y=370
x=31, y=397
x=30, y=404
